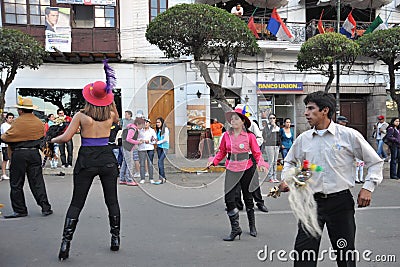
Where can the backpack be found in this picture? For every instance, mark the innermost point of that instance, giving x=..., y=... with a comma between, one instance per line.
x=125, y=144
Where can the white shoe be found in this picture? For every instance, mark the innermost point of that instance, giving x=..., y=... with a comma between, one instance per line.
x=137, y=175
x=152, y=181
x=5, y=177
x=147, y=174
x=142, y=181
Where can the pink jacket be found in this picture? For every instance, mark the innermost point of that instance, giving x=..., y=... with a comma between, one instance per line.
x=244, y=143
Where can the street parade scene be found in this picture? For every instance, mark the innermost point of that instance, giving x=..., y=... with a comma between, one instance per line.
x=200, y=133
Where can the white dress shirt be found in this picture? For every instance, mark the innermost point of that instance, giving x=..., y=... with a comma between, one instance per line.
x=335, y=151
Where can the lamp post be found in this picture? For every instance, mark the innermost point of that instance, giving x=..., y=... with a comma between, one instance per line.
x=338, y=66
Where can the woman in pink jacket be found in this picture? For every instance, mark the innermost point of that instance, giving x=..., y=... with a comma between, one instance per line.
x=239, y=145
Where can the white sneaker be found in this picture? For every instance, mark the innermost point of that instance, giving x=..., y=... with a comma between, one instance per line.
x=147, y=174
x=5, y=177
x=142, y=181
x=137, y=175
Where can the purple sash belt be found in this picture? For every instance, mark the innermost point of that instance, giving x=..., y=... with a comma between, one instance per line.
x=94, y=141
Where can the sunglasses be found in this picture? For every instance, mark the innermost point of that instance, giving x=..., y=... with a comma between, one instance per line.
x=272, y=118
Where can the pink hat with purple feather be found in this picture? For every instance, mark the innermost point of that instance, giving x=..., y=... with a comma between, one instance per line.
x=100, y=93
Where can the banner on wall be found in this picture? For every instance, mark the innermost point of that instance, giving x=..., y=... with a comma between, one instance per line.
x=196, y=117
x=280, y=87
x=58, y=29
x=89, y=2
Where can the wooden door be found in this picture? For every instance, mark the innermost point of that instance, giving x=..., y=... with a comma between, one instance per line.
x=356, y=113
x=161, y=104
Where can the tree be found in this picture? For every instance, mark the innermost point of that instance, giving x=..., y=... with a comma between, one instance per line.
x=17, y=51
x=384, y=45
x=323, y=50
x=206, y=32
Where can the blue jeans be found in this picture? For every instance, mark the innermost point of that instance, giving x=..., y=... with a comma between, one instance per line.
x=381, y=152
x=116, y=152
x=394, y=162
x=161, y=153
x=120, y=156
x=284, y=152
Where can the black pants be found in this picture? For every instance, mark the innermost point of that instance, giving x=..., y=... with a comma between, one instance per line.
x=256, y=194
x=338, y=215
x=29, y=162
x=234, y=181
x=82, y=182
x=70, y=147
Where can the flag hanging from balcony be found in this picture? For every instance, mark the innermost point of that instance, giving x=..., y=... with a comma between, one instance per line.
x=376, y=25
x=320, y=25
x=252, y=26
x=349, y=26
x=278, y=28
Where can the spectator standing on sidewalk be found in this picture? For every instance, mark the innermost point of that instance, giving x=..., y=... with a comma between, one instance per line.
x=286, y=134
x=66, y=161
x=393, y=138
x=216, y=131
x=272, y=141
x=162, y=133
x=130, y=142
x=334, y=148
x=24, y=138
x=379, y=133
x=95, y=158
x=4, y=151
x=112, y=140
x=146, y=151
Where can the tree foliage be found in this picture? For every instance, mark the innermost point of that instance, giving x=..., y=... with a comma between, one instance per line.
x=17, y=51
x=202, y=31
x=384, y=45
x=323, y=50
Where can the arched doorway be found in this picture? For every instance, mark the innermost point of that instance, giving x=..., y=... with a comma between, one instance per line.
x=160, y=95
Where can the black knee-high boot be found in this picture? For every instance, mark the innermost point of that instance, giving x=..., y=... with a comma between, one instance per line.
x=69, y=229
x=115, y=222
x=252, y=221
x=235, y=228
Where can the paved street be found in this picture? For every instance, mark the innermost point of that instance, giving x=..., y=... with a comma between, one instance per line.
x=180, y=223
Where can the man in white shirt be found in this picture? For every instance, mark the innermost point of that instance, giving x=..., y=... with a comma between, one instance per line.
x=4, y=127
x=334, y=148
x=237, y=10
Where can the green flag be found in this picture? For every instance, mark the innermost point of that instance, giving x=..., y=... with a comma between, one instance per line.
x=377, y=24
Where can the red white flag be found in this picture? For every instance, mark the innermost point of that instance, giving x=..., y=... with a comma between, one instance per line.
x=320, y=26
x=252, y=27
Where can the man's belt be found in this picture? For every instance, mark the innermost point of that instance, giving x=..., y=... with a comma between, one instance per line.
x=238, y=157
x=322, y=195
x=24, y=148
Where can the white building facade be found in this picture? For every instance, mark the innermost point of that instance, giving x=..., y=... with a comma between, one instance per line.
x=174, y=89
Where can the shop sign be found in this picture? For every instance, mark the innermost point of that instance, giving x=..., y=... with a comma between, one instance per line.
x=89, y=2
x=280, y=87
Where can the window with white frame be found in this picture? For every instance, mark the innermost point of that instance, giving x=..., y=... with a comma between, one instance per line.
x=93, y=16
x=157, y=7
x=25, y=11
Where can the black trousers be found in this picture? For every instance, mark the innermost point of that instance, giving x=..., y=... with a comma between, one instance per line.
x=83, y=180
x=29, y=162
x=233, y=182
x=338, y=215
x=70, y=147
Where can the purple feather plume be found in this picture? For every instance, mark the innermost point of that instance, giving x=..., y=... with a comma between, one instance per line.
x=111, y=81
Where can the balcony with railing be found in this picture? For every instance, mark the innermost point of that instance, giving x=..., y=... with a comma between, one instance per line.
x=303, y=31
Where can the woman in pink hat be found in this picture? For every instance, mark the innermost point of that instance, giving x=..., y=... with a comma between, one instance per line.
x=237, y=144
x=95, y=157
